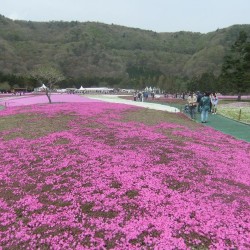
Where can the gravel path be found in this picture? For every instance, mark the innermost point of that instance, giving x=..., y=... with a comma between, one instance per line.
x=117, y=99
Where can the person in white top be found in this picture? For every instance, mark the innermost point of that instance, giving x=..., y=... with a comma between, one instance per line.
x=214, y=101
x=192, y=103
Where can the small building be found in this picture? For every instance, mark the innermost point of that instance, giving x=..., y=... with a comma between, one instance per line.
x=19, y=91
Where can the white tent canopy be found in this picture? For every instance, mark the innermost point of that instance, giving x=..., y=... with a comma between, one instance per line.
x=97, y=89
x=42, y=88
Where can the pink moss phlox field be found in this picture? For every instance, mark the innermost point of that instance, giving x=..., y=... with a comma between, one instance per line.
x=14, y=101
x=106, y=183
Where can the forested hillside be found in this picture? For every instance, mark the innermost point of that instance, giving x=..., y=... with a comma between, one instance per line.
x=96, y=53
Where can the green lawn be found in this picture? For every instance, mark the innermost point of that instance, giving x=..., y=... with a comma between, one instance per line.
x=239, y=111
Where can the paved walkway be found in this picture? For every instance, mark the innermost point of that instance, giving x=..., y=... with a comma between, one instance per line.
x=218, y=122
x=228, y=126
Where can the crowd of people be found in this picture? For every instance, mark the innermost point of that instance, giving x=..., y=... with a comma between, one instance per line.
x=204, y=103
x=142, y=95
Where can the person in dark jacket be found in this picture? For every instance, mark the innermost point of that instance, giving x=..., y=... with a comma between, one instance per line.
x=205, y=107
x=199, y=96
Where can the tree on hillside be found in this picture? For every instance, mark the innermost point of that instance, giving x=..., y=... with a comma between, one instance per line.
x=49, y=76
x=193, y=84
x=235, y=71
x=4, y=86
x=207, y=82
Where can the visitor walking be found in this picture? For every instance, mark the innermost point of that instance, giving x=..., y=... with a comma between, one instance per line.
x=192, y=103
x=139, y=96
x=199, y=96
x=205, y=107
x=210, y=109
x=135, y=96
x=214, y=100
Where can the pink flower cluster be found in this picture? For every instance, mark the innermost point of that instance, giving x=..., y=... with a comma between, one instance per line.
x=30, y=99
x=106, y=183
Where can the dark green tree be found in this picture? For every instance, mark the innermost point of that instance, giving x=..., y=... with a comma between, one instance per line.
x=235, y=76
x=207, y=82
x=4, y=86
x=193, y=84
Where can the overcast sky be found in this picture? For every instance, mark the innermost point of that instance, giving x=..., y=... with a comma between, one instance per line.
x=157, y=15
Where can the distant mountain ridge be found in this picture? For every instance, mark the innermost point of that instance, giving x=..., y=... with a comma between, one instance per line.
x=95, y=49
